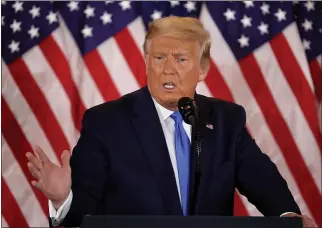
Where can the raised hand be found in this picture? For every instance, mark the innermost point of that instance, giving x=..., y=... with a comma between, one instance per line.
x=52, y=180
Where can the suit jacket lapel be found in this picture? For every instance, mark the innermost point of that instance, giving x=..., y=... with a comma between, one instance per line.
x=209, y=139
x=148, y=128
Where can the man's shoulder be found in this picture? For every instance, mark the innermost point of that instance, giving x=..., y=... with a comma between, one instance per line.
x=220, y=105
x=111, y=110
x=228, y=110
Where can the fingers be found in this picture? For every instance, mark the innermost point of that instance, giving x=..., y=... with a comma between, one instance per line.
x=42, y=156
x=34, y=160
x=34, y=171
x=308, y=222
x=65, y=157
x=37, y=184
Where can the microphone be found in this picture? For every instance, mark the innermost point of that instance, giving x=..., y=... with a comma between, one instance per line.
x=189, y=111
x=190, y=114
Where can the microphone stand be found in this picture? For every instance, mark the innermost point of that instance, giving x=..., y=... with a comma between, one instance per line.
x=195, y=161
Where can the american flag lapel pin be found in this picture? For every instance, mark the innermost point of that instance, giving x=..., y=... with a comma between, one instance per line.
x=210, y=126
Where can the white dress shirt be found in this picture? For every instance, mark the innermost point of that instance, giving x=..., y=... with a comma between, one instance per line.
x=168, y=128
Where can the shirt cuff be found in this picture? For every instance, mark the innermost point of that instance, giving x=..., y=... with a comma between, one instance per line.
x=285, y=213
x=57, y=216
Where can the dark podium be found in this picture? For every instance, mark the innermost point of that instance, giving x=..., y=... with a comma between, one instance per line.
x=189, y=222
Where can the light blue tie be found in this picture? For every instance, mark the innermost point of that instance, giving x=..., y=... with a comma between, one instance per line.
x=182, y=146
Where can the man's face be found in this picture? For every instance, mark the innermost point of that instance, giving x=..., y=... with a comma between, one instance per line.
x=173, y=69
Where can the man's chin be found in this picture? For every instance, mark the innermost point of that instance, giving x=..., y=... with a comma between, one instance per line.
x=172, y=102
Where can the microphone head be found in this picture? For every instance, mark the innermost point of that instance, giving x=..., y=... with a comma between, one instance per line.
x=187, y=109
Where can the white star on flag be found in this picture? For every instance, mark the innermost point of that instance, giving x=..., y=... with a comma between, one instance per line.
x=33, y=32
x=72, y=5
x=243, y=41
x=307, y=25
x=14, y=46
x=309, y=5
x=2, y=20
x=306, y=44
x=230, y=15
x=51, y=17
x=87, y=31
x=89, y=11
x=249, y=4
x=108, y=2
x=281, y=15
x=125, y=5
x=263, y=28
x=15, y=26
x=265, y=9
x=190, y=6
x=246, y=21
x=35, y=11
x=106, y=18
x=18, y=6
x=156, y=15
x=174, y=3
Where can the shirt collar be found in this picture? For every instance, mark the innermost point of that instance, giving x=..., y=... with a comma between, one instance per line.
x=162, y=111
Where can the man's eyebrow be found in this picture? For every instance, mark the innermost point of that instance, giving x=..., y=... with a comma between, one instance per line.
x=181, y=53
x=173, y=53
x=158, y=52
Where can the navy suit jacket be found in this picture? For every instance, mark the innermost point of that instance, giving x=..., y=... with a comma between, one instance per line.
x=121, y=163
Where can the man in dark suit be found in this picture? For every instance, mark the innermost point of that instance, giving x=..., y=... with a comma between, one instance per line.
x=133, y=154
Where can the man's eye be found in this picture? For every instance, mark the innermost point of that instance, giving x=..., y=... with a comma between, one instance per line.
x=182, y=59
x=158, y=57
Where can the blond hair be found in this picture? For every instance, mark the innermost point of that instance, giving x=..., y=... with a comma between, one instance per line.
x=187, y=28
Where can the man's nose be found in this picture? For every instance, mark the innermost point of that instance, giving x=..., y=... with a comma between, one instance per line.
x=169, y=67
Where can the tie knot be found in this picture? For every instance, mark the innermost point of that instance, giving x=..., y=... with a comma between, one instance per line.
x=176, y=116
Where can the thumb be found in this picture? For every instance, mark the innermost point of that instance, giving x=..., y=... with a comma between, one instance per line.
x=65, y=157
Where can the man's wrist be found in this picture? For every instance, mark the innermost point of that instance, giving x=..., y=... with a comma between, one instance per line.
x=58, y=203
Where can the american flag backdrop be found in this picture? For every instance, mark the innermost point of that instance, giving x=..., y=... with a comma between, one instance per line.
x=61, y=58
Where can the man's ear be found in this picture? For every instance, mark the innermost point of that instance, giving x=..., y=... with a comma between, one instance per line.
x=203, y=72
x=146, y=63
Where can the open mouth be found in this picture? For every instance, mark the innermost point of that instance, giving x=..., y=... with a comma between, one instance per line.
x=169, y=86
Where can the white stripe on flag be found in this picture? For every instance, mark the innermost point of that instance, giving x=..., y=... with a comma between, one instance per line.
x=319, y=59
x=53, y=91
x=203, y=89
x=296, y=45
x=24, y=195
x=137, y=31
x=4, y=222
x=231, y=72
x=27, y=122
x=83, y=80
x=116, y=65
x=290, y=110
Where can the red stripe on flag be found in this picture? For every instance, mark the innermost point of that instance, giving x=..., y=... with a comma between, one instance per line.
x=132, y=55
x=239, y=208
x=101, y=76
x=282, y=135
x=59, y=64
x=39, y=105
x=219, y=89
x=299, y=85
x=316, y=73
x=216, y=83
x=10, y=209
x=19, y=145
